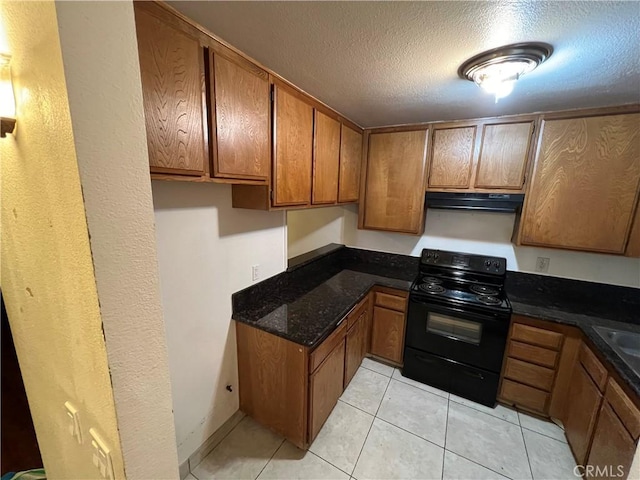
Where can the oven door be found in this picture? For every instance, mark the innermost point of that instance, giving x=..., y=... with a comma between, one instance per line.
x=472, y=338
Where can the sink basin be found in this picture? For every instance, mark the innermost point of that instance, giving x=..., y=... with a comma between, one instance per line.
x=625, y=344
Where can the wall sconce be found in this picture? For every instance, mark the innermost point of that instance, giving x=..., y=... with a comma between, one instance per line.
x=7, y=100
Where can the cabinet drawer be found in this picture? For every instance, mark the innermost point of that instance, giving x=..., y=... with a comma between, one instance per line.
x=536, y=336
x=594, y=368
x=624, y=408
x=524, y=396
x=533, y=354
x=322, y=350
x=390, y=301
x=529, y=374
x=357, y=311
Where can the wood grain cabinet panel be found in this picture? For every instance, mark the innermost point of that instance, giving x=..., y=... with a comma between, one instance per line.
x=584, y=186
x=356, y=347
x=504, y=152
x=612, y=447
x=452, y=157
x=387, y=334
x=532, y=354
x=536, y=336
x=325, y=387
x=633, y=245
x=172, y=72
x=326, y=159
x=584, y=403
x=529, y=374
x=350, y=165
x=241, y=128
x=523, y=396
x=293, y=149
x=394, y=195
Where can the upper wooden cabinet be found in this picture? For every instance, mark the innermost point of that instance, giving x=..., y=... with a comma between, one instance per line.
x=394, y=185
x=452, y=156
x=481, y=155
x=172, y=72
x=240, y=98
x=350, y=165
x=326, y=159
x=293, y=148
x=585, y=184
x=504, y=154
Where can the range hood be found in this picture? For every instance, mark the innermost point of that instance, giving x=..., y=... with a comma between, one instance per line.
x=488, y=202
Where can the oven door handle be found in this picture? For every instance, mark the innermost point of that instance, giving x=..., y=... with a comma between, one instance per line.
x=477, y=375
x=491, y=317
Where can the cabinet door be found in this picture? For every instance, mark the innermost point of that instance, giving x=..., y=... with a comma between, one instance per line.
x=612, y=446
x=350, y=164
x=326, y=159
x=293, y=149
x=633, y=245
x=171, y=70
x=504, y=152
x=585, y=399
x=394, y=197
x=325, y=387
x=387, y=334
x=356, y=347
x=584, y=186
x=452, y=157
x=242, y=129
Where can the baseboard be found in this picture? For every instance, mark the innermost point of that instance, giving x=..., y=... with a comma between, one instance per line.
x=212, y=442
x=184, y=469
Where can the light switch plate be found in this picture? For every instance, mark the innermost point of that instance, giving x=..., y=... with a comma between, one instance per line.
x=101, y=455
x=73, y=421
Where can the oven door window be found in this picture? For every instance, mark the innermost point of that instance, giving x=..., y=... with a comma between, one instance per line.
x=454, y=328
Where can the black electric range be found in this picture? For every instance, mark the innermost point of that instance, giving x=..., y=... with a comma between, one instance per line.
x=457, y=324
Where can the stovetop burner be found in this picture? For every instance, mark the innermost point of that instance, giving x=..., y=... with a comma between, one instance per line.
x=489, y=300
x=435, y=280
x=432, y=287
x=484, y=290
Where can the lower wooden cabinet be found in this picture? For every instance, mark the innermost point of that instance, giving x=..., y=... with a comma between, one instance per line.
x=356, y=347
x=292, y=389
x=585, y=400
x=616, y=435
x=388, y=325
x=612, y=446
x=325, y=387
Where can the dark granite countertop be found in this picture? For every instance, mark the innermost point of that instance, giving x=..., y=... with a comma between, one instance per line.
x=305, y=303
x=312, y=317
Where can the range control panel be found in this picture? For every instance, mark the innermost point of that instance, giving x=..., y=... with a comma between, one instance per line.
x=464, y=261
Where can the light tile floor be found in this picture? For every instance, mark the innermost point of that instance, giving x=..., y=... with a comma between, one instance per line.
x=386, y=426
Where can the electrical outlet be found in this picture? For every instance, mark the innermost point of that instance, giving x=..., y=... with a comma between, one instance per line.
x=101, y=455
x=255, y=273
x=542, y=264
x=73, y=421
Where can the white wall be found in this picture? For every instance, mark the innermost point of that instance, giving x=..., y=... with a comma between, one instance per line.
x=464, y=231
x=205, y=252
x=48, y=280
x=313, y=228
x=100, y=54
x=490, y=233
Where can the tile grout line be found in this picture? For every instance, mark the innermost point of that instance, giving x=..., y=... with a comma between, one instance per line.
x=271, y=458
x=325, y=460
x=526, y=450
x=375, y=371
x=411, y=433
x=446, y=428
x=217, y=445
x=543, y=434
x=479, y=464
x=370, y=427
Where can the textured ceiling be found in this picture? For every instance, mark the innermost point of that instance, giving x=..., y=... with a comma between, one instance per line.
x=384, y=63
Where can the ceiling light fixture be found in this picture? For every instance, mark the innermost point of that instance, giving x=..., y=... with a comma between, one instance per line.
x=497, y=70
